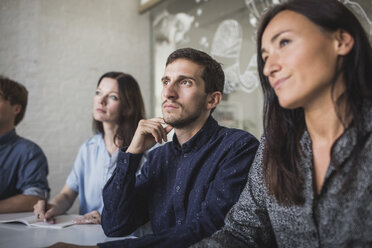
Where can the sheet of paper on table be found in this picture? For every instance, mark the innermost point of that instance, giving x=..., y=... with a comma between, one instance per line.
x=29, y=219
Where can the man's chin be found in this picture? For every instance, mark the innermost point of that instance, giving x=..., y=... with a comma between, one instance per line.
x=169, y=120
x=180, y=122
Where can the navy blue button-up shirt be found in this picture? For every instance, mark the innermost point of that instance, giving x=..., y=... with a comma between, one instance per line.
x=23, y=167
x=184, y=191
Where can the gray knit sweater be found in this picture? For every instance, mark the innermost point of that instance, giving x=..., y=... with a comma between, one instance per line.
x=331, y=219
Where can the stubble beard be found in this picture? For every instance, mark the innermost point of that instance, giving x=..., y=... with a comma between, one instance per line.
x=180, y=122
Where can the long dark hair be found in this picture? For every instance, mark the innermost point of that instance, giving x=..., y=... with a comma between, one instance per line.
x=283, y=128
x=131, y=108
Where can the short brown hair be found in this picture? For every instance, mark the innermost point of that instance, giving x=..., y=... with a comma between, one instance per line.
x=213, y=75
x=15, y=93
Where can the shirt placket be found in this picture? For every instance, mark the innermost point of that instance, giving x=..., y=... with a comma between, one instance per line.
x=180, y=187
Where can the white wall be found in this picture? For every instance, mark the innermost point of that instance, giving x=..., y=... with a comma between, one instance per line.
x=58, y=50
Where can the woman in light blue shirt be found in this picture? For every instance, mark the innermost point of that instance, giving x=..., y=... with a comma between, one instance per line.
x=117, y=108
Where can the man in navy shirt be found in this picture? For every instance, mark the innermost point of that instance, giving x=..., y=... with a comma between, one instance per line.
x=23, y=165
x=187, y=186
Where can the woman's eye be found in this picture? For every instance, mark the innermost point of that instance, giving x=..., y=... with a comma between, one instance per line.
x=98, y=93
x=165, y=82
x=283, y=42
x=115, y=98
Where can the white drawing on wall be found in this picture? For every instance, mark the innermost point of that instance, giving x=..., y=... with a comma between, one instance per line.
x=227, y=44
x=255, y=13
x=171, y=28
x=169, y=33
x=204, y=42
x=361, y=13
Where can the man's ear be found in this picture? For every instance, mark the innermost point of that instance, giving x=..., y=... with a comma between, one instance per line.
x=344, y=42
x=214, y=99
x=17, y=108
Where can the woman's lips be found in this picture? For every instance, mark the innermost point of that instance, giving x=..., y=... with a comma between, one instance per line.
x=279, y=83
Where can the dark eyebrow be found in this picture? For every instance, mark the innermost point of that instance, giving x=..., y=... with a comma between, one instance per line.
x=182, y=77
x=164, y=78
x=116, y=92
x=179, y=78
x=274, y=38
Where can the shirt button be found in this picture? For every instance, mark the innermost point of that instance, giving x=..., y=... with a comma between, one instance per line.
x=185, y=155
x=179, y=222
x=178, y=188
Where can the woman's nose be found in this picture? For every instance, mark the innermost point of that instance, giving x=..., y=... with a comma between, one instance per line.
x=271, y=66
x=102, y=100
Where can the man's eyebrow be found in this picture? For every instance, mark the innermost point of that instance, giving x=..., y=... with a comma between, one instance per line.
x=272, y=40
x=180, y=77
x=164, y=78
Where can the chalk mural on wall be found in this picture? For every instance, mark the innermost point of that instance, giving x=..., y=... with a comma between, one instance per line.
x=227, y=31
x=361, y=13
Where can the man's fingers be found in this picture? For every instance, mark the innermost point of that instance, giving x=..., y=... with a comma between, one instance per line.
x=157, y=133
x=158, y=119
x=168, y=128
x=155, y=128
x=163, y=129
x=148, y=132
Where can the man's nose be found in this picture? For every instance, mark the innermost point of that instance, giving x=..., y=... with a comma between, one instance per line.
x=170, y=91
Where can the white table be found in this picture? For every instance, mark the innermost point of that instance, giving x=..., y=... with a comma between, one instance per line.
x=21, y=236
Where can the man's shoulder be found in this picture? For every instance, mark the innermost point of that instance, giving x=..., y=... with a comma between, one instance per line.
x=26, y=148
x=235, y=134
x=26, y=144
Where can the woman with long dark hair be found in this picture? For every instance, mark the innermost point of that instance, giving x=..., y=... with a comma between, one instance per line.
x=311, y=182
x=117, y=109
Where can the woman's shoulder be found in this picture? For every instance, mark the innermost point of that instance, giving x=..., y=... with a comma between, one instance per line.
x=93, y=142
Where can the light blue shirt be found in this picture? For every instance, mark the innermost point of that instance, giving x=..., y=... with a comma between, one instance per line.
x=92, y=168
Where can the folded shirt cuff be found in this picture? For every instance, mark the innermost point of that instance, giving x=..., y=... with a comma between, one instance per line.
x=34, y=191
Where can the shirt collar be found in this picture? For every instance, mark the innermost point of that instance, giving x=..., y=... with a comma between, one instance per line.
x=5, y=138
x=200, y=138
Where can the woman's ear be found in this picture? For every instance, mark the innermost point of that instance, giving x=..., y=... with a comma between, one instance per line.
x=214, y=99
x=344, y=42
